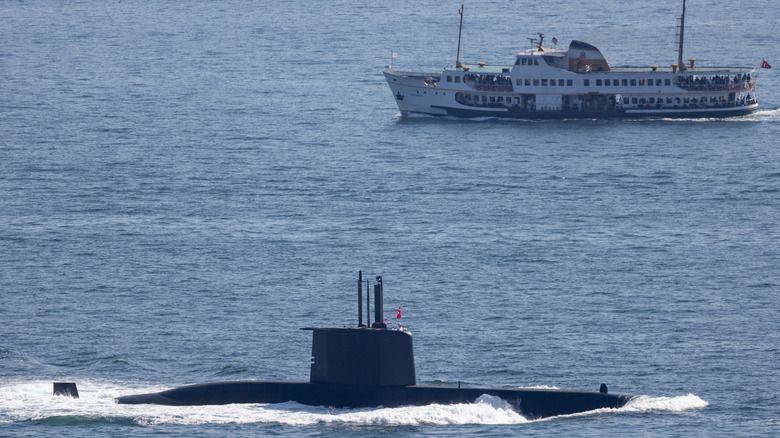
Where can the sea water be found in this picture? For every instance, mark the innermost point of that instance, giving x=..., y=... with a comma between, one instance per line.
x=183, y=185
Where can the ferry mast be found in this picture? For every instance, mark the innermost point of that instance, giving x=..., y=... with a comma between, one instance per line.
x=457, y=57
x=680, y=63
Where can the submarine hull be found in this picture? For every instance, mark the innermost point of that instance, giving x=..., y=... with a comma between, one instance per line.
x=366, y=367
x=532, y=403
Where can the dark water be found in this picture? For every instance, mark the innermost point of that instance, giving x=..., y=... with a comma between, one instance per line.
x=184, y=185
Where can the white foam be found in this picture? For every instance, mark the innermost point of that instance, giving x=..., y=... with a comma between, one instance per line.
x=30, y=401
x=682, y=403
x=766, y=114
x=34, y=401
x=762, y=115
x=486, y=410
x=538, y=387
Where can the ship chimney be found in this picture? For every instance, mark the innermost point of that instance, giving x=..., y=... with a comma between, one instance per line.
x=693, y=63
x=674, y=68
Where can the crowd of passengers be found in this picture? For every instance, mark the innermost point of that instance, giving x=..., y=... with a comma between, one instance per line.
x=489, y=82
x=607, y=103
x=703, y=102
x=715, y=83
x=487, y=101
x=588, y=103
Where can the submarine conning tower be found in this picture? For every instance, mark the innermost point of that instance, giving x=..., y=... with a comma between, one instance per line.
x=366, y=355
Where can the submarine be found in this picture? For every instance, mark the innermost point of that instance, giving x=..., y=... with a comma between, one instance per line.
x=372, y=365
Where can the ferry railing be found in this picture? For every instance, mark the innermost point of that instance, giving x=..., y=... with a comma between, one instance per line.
x=733, y=86
x=414, y=74
x=489, y=87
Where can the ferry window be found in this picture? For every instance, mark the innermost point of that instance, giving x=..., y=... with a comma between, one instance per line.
x=658, y=82
x=641, y=82
x=492, y=98
x=484, y=98
x=552, y=82
x=649, y=82
x=667, y=82
x=527, y=82
x=668, y=100
x=625, y=82
x=501, y=99
x=519, y=82
x=598, y=82
x=633, y=82
x=560, y=82
x=652, y=100
x=536, y=82
x=569, y=83
x=457, y=79
x=536, y=62
x=607, y=82
x=544, y=82
x=634, y=100
x=449, y=78
x=586, y=82
x=524, y=61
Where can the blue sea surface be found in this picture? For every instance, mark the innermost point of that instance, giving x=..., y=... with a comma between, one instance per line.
x=185, y=184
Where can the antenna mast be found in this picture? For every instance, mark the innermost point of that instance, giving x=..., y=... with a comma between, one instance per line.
x=682, y=37
x=457, y=57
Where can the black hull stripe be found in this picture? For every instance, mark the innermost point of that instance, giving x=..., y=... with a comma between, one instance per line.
x=517, y=113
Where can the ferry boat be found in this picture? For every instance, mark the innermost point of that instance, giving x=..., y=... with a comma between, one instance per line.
x=575, y=82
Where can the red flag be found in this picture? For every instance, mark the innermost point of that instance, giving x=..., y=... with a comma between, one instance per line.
x=399, y=312
x=765, y=64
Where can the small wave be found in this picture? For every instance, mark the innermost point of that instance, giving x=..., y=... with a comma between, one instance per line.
x=647, y=404
x=79, y=420
x=768, y=112
x=682, y=403
x=538, y=387
x=229, y=370
x=485, y=410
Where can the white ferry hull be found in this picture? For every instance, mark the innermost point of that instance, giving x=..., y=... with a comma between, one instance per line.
x=414, y=95
x=411, y=95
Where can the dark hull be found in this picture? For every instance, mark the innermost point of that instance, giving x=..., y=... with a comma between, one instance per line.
x=532, y=403
x=520, y=113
